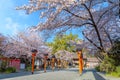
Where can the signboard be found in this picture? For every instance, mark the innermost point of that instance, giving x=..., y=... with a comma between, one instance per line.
x=22, y=66
x=15, y=63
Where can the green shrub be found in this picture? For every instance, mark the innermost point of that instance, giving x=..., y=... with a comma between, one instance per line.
x=107, y=65
x=114, y=52
x=10, y=70
x=2, y=70
x=97, y=68
x=3, y=64
x=28, y=68
x=114, y=74
x=118, y=69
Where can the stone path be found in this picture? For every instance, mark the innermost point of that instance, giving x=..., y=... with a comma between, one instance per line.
x=69, y=74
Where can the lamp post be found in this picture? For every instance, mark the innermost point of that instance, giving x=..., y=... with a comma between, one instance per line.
x=80, y=59
x=34, y=51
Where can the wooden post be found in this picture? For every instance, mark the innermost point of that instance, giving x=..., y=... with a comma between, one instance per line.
x=34, y=51
x=53, y=63
x=80, y=58
x=58, y=64
x=45, y=61
x=33, y=60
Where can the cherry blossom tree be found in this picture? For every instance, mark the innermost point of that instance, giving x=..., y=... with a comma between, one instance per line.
x=99, y=17
x=23, y=43
x=2, y=43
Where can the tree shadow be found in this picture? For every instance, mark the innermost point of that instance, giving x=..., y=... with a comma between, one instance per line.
x=84, y=70
x=22, y=73
x=98, y=77
x=26, y=73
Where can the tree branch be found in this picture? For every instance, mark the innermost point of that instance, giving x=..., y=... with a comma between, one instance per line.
x=76, y=15
x=80, y=24
x=95, y=26
x=104, y=14
x=108, y=36
x=91, y=41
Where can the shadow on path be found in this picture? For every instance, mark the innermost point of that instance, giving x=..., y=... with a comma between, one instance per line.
x=95, y=74
x=98, y=77
x=84, y=71
x=22, y=73
x=12, y=75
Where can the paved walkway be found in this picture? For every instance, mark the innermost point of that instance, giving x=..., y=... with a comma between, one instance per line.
x=69, y=74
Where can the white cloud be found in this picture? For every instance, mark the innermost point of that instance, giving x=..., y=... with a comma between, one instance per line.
x=11, y=20
x=11, y=25
x=14, y=27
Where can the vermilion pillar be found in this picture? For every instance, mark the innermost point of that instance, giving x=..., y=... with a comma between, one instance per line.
x=58, y=63
x=33, y=59
x=53, y=63
x=45, y=61
x=80, y=59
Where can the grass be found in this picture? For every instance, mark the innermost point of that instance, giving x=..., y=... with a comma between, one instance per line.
x=114, y=74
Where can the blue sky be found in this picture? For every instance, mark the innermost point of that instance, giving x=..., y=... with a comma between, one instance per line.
x=13, y=21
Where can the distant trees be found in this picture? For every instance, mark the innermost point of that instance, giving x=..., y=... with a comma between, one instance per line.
x=64, y=42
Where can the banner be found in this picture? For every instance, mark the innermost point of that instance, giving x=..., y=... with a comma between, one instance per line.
x=15, y=63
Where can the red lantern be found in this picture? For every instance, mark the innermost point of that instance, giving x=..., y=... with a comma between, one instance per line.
x=34, y=54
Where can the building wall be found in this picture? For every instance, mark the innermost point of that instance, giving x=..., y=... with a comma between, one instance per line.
x=89, y=62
